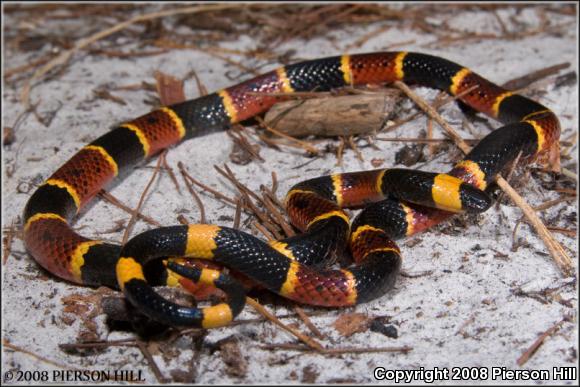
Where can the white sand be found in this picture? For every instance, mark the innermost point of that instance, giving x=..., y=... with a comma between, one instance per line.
x=469, y=290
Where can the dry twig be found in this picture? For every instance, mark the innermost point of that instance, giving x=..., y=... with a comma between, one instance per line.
x=65, y=56
x=528, y=353
x=134, y=217
x=116, y=202
x=7, y=344
x=304, y=317
x=152, y=364
x=311, y=343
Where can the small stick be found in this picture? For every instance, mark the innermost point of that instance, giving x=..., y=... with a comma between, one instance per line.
x=264, y=231
x=218, y=194
x=311, y=343
x=171, y=174
x=294, y=94
x=156, y=371
x=228, y=174
x=263, y=218
x=15, y=70
x=274, y=183
x=502, y=25
x=195, y=196
x=431, y=112
x=238, y=137
x=182, y=220
x=339, y=151
x=300, y=143
x=552, y=203
x=116, y=202
x=431, y=146
x=99, y=344
x=105, y=94
x=304, y=317
x=423, y=140
x=246, y=192
x=569, y=174
x=200, y=86
x=238, y=214
x=272, y=196
x=65, y=56
x=558, y=253
x=443, y=102
x=142, y=198
x=340, y=351
x=566, y=191
x=277, y=208
x=539, y=341
x=16, y=348
x=438, y=100
x=568, y=145
x=123, y=54
x=419, y=274
x=271, y=142
x=566, y=231
x=556, y=250
x=336, y=351
x=277, y=215
x=353, y=146
x=514, y=232
x=508, y=178
x=528, y=79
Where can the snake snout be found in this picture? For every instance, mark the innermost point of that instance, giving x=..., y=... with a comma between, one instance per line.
x=474, y=200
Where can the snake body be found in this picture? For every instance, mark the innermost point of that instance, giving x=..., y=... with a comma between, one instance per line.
x=399, y=202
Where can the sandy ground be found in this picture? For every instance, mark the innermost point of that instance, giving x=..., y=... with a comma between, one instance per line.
x=473, y=307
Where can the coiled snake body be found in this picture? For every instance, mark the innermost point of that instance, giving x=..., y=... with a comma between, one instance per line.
x=402, y=202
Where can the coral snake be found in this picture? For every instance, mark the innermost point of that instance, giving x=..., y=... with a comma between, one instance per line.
x=399, y=202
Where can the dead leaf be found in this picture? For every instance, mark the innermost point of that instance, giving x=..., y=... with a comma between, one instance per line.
x=351, y=323
x=169, y=88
